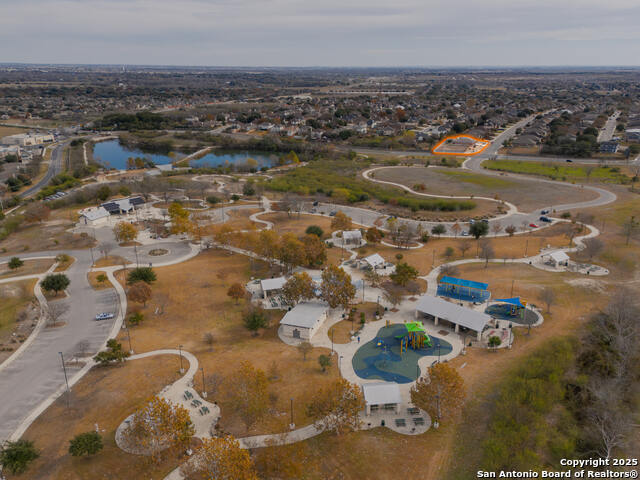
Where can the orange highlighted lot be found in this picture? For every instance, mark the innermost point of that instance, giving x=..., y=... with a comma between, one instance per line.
x=466, y=145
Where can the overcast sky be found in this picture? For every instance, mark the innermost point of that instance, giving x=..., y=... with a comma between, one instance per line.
x=321, y=32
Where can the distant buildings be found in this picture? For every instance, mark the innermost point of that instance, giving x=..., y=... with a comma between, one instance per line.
x=609, y=147
x=632, y=135
x=27, y=139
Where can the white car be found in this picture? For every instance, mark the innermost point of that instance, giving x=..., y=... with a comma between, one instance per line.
x=104, y=316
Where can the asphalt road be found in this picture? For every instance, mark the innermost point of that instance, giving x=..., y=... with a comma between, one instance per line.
x=55, y=167
x=37, y=373
x=606, y=133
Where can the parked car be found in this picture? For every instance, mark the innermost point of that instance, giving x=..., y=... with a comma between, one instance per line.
x=545, y=219
x=104, y=316
x=544, y=212
x=568, y=160
x=465, y=234
x=333, y=214
x=315, y=204
x=533, y=225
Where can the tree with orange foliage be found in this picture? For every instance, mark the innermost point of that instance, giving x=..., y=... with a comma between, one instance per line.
x=315, y=250
x=337, y=288
x=220, y=458
x=140, y=292
x=160, y=425
x=337, y=407
x=236, y=291
x=125, y=232
x=441, y=394
x=292, y=251
x=341, y=221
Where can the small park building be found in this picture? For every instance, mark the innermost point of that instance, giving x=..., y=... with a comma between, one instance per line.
x=304, y=320
x=381, y=396
x=447, y=313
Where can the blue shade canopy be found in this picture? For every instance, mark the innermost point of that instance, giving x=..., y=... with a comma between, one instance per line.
x=460, y=282
x=513, y=301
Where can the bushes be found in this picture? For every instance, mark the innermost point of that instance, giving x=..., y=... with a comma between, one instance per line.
x=337, y=179
x=522, y=434
x=142, y=274
x=63, y=181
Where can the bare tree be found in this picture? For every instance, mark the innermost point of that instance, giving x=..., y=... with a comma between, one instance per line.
x=496, y=228
x=463, y=246
x=214, y=382
x=548, y=296
x=608, y=423
x=486, y=252
x=54, y=311
x=630, y=228
x=449, y=270
x=592, y=247
x=105, y=248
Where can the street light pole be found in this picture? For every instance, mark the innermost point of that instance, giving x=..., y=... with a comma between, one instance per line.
x=180, y=350
x=292, y=425
x=204, y=390
x=332, y=332
x=66, y=380
x=129, y=338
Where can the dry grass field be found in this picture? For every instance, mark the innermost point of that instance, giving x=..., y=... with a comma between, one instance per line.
x=195, y=303
x=504, y=247
x=49, y=235
x=104, y=397
x=344, y=458
x=296, y=224
x=30, y=267
x=526, y=195
x=14, y=298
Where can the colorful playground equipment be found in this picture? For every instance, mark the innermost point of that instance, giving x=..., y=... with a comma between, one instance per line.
x=415, y=337
x=514, y=305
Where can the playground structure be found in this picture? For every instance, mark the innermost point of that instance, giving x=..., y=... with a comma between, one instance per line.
x=461, y=289
x=512, y=309
x=415, y=337
x=382, y=359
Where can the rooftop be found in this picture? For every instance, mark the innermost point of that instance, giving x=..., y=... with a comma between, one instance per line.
x=381, y=393
x=304, y=314
x=462, y=316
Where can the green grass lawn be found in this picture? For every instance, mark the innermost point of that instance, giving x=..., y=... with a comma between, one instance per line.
x=559, y=172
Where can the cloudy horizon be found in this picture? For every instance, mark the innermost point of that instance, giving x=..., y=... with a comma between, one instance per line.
x=290, y=33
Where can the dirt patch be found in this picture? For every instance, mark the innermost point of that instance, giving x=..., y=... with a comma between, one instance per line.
x=296, y=224
x=19, y=312
x=30, y=267
x=526, y=195
x=95, y=284
x=110, y=261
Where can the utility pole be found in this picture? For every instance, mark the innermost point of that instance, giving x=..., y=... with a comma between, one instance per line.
x=129, y=338
x=66, y=380
x=204, y=390
x=292, y=425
